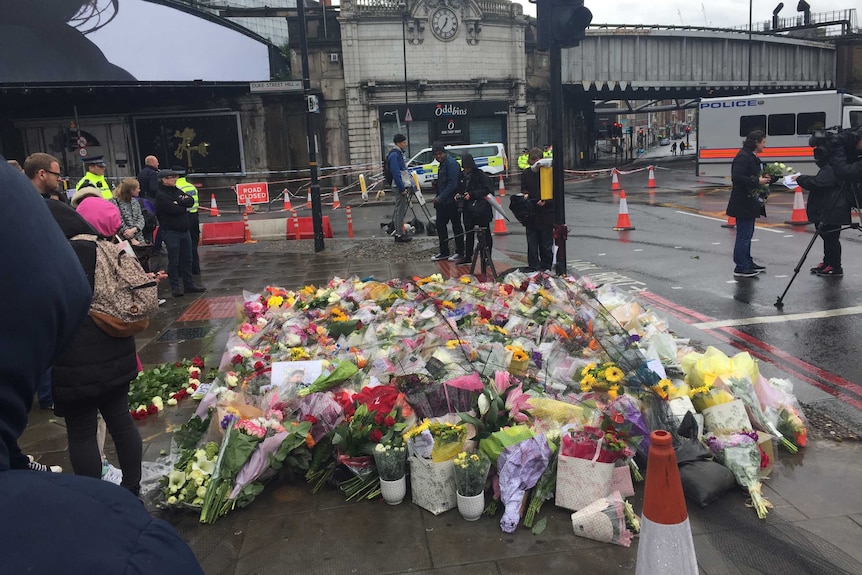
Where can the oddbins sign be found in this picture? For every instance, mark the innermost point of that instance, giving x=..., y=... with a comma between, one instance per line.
x=256, y=193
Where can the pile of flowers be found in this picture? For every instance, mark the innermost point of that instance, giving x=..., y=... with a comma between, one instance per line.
x=166, y=384
x=499, y=370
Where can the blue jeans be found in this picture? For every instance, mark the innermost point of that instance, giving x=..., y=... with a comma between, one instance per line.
x=179, y=246
x=742, y=247
x=44, y=390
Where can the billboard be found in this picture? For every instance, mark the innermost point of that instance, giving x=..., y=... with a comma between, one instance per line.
x=124, y=41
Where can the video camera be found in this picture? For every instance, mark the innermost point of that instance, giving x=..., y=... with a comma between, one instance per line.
x=826, y=141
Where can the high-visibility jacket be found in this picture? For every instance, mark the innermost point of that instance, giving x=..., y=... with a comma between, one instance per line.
x=523, y=162
x=549, y=153
x=98, y=182
x=189, y=188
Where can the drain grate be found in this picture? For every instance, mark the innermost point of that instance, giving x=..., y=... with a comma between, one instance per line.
x=185, y=333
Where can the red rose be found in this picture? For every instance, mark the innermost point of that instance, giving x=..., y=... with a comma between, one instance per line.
x=198, y=362
x=375, y=435
x=378, y=418
x=389, y=421
x=258, y=365
x=152, y=409
x=237, y=359
x=483, y=312
x=178, y=364
x=311, y=419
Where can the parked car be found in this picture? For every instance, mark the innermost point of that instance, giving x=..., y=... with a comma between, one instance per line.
x=664, y=142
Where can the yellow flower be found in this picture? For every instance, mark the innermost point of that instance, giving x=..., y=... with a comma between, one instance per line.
x=275, y=301
x=453, y=343
x=588, y=369
x=614, y=374
x=586, y=386
x=465, y=279
x=613, y=391
x=448, y=304
x=589, y=380
x=664, y=388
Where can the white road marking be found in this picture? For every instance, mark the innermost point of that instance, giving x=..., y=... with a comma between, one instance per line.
x=716, y=243
x=855, y=310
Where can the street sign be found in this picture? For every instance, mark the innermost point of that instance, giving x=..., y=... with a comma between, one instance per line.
x=82, y=142
x=287, y=86
x=408, y=117
x=82, y=152
x=256, y=193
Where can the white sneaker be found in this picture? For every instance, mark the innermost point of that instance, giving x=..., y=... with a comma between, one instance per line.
x=438, y=257
x=162, y=301
x=111, y=474
x=455, y=257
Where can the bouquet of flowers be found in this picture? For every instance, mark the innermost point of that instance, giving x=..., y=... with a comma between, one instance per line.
x=449, y=439
x=391, y=461
x=605, y=377
x=740, y=453
x=607, y=520
x=187, y=483
x=471, y=471
x=773, y=171
x=168, y=384
x=782, y=409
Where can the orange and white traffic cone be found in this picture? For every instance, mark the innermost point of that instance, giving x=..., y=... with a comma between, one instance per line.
x=349, y=221
x=731, y=223
x=500, y=222
x=287, y=206
x=336, y=203
x=665, y=538
x=615, y=181
x=248, y=208
x=214, y=213
x=501, y=191
x=308, y=201
x=623, y=222
x=651, y=180
x=296, y=230
x=247, y=239
x=798, y=217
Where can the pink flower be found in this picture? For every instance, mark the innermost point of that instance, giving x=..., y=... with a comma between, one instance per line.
x=502, y=381
x=517, y=402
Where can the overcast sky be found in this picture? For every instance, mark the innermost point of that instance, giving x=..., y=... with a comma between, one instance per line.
x=721, y=14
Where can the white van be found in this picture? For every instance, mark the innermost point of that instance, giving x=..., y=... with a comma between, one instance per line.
x=490, y=158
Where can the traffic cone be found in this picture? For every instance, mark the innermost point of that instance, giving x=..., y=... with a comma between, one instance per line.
x=248, y=208
x=665, y=544
x=287, y=206
x=336, y=203
x=349, y=222
x=615, y=181
x=308, y=201
x=731, y=223
x=623, y=222
x=499, y=223
x=213, y=207
x=247, y=239
x=651, y=180
x=502, y=189
x=798, y=217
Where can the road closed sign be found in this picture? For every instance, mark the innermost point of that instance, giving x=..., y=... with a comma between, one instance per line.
x=256, y=193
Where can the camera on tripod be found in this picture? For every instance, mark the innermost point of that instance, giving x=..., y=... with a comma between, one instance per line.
x=826, y=141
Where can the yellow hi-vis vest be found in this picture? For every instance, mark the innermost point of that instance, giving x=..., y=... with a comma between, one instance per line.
x=523, y=162
x=98, y=182
x=189, y=188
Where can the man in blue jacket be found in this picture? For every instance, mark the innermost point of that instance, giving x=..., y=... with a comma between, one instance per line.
x=55, y=522
x=447, y=203
x=402, y=185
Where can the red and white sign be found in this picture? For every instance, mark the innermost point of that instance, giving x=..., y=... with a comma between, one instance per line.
x=256, y=193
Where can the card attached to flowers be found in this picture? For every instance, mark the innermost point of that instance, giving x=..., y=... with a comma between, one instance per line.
x=291, y=376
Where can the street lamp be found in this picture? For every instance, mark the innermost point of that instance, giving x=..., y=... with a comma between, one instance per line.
x=750, y=15
x=402, y=6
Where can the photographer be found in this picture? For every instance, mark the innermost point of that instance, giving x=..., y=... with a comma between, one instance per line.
x=477, y=210
x=830, y=210
x=844, y=158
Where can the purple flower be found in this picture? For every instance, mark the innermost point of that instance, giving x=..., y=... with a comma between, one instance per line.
x=537, y=359
x=226, y=421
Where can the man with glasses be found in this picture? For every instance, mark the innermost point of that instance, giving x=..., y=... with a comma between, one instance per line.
x=44, y=171
x=95, y=176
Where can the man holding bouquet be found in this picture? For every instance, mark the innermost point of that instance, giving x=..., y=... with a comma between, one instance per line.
x=746, y=204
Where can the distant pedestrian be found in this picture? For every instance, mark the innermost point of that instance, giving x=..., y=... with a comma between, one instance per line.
x=446, y=204
x=402, y=183
x=745, y=204
x=682, y=147
x=673, y=148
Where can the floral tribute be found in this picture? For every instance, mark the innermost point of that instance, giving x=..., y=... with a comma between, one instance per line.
x=166, y=384
x=513, y=371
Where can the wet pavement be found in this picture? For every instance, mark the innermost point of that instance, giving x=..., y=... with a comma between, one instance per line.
x=817, y=521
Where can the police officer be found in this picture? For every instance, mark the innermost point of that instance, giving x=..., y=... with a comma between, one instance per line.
x=95, y=176
x=194, y=219
x=548, y=152
x=524, y=159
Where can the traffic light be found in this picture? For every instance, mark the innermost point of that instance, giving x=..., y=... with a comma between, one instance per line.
x=562, y=21
x=687, y=129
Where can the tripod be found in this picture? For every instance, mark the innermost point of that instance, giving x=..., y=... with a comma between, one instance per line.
x=483, y=251
x=779, y=303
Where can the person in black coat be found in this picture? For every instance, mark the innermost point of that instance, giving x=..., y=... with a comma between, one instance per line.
x=172, y=209
x=540, y=234
x=477, y=210
x=93, y=375
x=744, y=204
x=830, y=210
x=847, y=165
x=55, y=522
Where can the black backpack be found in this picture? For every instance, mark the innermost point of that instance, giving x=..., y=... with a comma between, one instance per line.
x=387, y=170
x=522, y=209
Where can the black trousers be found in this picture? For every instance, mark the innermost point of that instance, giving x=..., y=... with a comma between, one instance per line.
x=195, y=233
x=831, y=246
x=445, y=214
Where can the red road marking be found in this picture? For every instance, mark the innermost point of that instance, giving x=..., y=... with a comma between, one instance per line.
x=827, y=381
x=211, y=308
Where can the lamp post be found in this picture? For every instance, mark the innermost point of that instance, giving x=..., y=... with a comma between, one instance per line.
x=404, y=11
x=750, y=14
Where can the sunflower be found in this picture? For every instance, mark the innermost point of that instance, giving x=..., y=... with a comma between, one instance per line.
x=588, y=369
x=614, y=374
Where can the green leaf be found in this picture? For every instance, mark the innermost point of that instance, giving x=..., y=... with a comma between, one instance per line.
x=540, y=526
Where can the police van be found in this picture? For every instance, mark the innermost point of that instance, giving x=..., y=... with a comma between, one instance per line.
x=490, y=158
x=788, y=120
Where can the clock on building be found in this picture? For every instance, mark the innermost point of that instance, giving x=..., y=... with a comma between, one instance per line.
x=444, y=23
